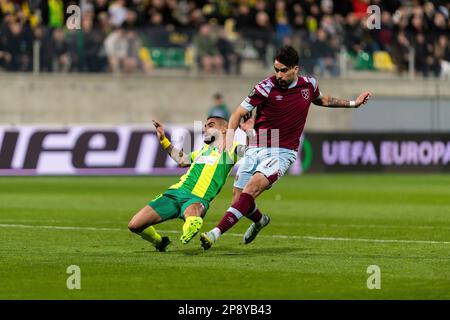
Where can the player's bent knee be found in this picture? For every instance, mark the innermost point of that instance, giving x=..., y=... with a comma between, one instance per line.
x=134, y=227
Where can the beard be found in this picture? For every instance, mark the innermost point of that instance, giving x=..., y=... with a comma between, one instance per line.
x=208, y=139
x=283, y=84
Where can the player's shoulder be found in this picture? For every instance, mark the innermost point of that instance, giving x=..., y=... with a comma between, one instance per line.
x=308, y=79
x=265, y=86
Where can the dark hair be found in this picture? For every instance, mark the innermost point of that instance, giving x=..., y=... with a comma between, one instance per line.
x=287, y=56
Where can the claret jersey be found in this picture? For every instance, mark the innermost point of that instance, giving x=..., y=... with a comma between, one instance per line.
x=281, y=113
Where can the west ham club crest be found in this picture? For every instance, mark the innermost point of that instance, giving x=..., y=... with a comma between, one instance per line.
x=305, y=93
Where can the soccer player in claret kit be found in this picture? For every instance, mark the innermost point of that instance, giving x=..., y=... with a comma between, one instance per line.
x=282, y=103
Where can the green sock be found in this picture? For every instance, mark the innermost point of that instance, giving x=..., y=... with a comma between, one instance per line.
x=151, y=235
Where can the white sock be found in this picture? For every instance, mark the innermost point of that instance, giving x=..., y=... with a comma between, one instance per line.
x=261, y=221
x=216, y=232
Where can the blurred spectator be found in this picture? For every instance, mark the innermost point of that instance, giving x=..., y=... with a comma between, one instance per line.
x=208, y=56
x=100, y=8
x=158, y=33
x=117, y=12
x=400, y=52
x=123, y=51
x=53, y=13
x=385, y=34
x=58, y=52
x=40, y=35
x=87, y=47
x=116, y=48
x=261, y=24
x=231, y=57
x=244, y=19
x=426, y=63
x=17, y=45
x=360, y=8
x=261, y=35
x=219, y=108
x=325, y=54
x=283, y=30
x=443, y=55
x=353, y=34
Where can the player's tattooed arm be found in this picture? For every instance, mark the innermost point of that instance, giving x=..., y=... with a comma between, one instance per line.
x=332, y=102
x=177, y=155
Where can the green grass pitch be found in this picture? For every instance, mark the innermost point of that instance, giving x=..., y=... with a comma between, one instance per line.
x=325, y=232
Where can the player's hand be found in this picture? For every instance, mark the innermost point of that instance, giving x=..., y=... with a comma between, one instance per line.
x=159, y=129
x=362, y=99
x=248, y=122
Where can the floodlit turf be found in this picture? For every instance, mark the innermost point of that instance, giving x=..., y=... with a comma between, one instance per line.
x=325, y=232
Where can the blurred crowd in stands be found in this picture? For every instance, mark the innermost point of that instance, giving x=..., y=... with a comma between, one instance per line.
x=217, y=35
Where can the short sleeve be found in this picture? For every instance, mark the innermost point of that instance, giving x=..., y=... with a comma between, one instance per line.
x=316, y=91
x=256, y=97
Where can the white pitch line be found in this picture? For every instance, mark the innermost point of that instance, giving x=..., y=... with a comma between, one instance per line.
x=236, y=234
x=321, y=225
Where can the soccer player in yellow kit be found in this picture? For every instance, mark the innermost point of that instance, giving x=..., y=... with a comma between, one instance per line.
x=189, y=199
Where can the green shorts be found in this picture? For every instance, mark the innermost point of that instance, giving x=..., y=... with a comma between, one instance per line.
x=172, y=203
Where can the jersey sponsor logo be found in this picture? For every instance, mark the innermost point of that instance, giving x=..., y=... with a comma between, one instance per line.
x=206, y=160
x=305, y=93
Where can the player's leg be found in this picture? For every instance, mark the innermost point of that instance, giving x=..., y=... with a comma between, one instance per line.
x=142, y=224
x=241, y=207
x=193, y=215
x=236, y=193
x=255, y=215
x=271, y=167
x=243, y=176
x=285, y=159
x=162, y=208
x=145, y=218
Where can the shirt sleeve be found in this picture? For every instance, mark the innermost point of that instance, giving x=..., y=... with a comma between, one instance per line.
x=316, y=91
x=255, y=98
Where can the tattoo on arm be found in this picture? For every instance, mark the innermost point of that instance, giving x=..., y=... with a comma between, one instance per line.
x=179, y=156
x=332, y=102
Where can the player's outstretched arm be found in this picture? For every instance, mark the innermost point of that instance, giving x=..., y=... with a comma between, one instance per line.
x=179, y=156
x=332, y=102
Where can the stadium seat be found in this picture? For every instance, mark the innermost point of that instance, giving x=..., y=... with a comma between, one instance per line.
x=382, y=61
x=363, y=61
